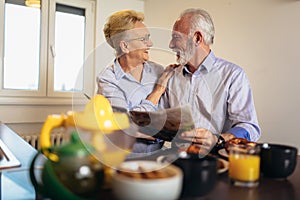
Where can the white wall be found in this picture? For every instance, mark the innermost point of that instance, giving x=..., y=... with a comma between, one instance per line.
x=106, y=7
x=263, y=38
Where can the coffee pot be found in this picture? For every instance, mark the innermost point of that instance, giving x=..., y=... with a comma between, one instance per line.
x=74, y=170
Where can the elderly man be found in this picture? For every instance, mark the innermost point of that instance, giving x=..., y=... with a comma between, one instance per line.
x=218, y=91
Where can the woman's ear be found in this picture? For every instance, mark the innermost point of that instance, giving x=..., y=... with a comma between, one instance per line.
x=124, y=47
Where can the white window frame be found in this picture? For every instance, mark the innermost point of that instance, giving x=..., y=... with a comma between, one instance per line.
x=46, y=94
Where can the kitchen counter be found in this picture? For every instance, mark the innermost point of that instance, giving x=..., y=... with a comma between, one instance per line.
x=15, y=182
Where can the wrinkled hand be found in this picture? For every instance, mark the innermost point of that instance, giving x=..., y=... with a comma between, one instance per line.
x=161, y=85
x=200, y=137
x=166, y=75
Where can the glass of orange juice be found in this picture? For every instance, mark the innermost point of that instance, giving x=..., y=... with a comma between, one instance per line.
x=244, y=165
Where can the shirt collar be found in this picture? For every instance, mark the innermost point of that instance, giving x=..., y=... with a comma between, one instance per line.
x=205, y=66
x=147, y=67
x=208, y=62
x=186, y=71
x=120, y=72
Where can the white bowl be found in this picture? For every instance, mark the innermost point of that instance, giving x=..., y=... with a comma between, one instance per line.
x=138, y=186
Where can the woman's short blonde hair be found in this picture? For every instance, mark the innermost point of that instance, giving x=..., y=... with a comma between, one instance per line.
x=117, y=25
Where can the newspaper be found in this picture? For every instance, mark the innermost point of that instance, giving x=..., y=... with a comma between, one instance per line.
x=164, y=124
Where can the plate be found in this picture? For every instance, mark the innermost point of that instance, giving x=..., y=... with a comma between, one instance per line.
x=223, y=152
x=222, y=165
x=167, y=159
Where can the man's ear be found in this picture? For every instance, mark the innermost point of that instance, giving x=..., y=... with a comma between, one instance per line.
x=124, y=47
x=198, y=37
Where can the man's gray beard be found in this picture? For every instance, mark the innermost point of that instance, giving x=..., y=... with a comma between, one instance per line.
x=181, y=60
x=188, y=54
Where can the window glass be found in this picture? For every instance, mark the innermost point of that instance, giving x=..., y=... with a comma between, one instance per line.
x=69, y=48
x=43, y=50
x=21, y=47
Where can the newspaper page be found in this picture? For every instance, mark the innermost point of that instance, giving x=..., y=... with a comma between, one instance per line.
x=164, y=124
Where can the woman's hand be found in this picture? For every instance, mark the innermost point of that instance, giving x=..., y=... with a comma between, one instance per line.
x=161, y=84
x=166, y=75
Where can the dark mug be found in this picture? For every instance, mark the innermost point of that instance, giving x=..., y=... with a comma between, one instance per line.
x=277, y=160
x=200, y=174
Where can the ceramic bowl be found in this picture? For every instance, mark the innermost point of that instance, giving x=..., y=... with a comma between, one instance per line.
x=278, y=160
x=135, y=180
x=200, y=174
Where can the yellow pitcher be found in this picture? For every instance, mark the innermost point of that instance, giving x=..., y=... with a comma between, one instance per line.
x=109, y=132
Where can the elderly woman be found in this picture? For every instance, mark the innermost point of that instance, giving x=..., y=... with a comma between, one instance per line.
x=132, y=81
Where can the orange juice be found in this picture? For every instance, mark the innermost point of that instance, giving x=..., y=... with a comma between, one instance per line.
x=244, y=167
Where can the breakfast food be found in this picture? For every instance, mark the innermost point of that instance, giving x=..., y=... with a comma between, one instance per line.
x=145, y=179
x=190, y=149
x=193, y=149
x=147, y=174
x=239, y=141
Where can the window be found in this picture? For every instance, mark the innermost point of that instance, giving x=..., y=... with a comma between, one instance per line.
x=22, y=43
x=68, y=60
x=43, y=51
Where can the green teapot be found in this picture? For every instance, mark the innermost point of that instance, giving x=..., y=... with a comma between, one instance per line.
x=69, y=171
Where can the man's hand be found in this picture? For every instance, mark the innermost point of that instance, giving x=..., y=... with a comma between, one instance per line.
x=202, y=138
x=228, y=136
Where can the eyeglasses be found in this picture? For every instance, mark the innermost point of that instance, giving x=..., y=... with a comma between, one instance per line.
x=144, y=39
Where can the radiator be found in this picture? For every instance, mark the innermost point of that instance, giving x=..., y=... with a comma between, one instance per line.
x=57, y=137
